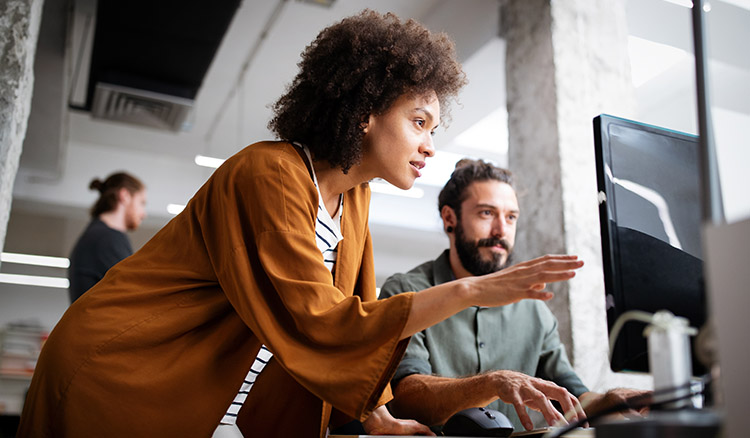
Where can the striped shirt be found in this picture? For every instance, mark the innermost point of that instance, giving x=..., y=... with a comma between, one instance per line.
x=327, y=236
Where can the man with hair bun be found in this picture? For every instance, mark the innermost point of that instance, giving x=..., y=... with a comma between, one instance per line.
x=120, y=208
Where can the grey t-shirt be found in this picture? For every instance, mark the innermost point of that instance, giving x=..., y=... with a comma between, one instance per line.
x=521, y=337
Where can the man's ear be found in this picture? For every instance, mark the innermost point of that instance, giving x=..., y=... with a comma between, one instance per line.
x=449, y=218
x=123, y=195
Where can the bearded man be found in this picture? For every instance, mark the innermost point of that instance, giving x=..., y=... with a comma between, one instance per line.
x=508, y=358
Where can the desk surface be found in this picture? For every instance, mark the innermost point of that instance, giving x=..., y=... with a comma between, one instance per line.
x=577, y=433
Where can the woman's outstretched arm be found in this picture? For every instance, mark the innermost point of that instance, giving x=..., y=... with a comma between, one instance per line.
x=525, y=280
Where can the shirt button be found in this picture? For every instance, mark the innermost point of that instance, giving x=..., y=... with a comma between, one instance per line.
x=481, y=345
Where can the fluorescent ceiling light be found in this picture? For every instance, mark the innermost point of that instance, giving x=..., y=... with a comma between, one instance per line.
x=685, y=3
x=326, y=3
x=707, y=5
x=36, y=260
x=35, y=280
x=205, y=161
x=489, y=134
x=388, y=189
x=175, y=208
x=649, y=59
x=439, y=168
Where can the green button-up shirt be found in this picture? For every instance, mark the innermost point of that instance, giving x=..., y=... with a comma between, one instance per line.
x=521, y=337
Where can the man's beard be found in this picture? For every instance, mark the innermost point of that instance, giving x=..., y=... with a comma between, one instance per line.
x=131, y=221
x=471, y=259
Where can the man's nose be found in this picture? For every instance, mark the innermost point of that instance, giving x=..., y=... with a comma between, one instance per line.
x=499, y=227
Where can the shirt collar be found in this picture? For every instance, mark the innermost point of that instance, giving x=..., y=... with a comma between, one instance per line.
x=441, y=271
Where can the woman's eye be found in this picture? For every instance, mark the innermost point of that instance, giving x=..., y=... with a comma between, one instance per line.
x=419, y=122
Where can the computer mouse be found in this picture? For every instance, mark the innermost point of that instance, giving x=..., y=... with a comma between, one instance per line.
x=478, y=422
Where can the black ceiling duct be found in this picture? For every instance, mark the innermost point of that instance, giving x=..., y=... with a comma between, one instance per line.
x=149, y=58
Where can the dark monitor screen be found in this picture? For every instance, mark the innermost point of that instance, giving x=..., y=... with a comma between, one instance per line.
x=650, y=216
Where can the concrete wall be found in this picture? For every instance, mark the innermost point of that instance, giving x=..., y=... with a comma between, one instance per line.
x=566, y=63
x=19, y=30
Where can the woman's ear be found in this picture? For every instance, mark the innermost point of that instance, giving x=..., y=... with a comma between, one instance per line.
x=365, y=123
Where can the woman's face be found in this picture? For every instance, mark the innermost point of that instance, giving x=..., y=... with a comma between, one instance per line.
x=397, y=142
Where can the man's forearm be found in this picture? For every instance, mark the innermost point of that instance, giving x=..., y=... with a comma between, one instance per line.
x=432, y=400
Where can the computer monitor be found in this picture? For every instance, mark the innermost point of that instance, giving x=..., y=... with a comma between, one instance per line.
x=650, y=217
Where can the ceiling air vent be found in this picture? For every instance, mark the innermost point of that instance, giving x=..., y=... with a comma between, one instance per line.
x=141, y=107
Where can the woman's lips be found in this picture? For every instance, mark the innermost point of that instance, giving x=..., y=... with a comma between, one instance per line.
x=417, y=165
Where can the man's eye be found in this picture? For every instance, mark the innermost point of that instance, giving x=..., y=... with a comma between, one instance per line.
x=419, y=122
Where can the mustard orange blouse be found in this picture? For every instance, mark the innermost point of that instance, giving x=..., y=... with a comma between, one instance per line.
x=160, y=345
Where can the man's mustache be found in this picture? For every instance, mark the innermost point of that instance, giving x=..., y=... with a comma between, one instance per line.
x=493, y=241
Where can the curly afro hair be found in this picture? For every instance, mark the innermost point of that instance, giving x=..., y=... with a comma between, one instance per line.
x=357, y=68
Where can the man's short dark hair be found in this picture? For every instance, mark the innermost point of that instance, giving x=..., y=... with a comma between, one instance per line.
x=357, y=68
x=466, y=173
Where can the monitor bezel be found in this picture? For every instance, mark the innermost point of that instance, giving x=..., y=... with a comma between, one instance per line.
x=609, y=237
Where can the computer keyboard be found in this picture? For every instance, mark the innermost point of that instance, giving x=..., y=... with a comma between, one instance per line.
x=578, y=432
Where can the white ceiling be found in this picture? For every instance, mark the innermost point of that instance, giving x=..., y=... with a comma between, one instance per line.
x=258, y=58
x=232, y=108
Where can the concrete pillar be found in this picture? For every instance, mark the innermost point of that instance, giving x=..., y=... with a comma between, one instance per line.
x=19, y=31
x=566, y=62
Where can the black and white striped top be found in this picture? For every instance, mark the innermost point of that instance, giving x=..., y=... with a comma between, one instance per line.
x=327, y=235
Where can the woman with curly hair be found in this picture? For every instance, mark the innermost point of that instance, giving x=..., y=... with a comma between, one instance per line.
x=267, y=275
